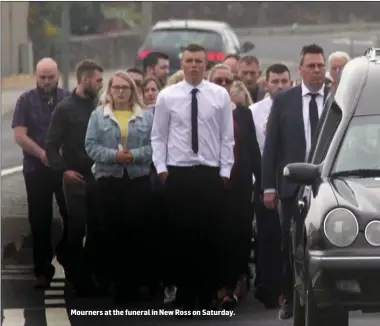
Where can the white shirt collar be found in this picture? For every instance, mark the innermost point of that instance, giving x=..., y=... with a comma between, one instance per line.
x=306, y=90
x=189, y=87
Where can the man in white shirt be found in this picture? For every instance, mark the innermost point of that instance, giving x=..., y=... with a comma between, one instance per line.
x=290, y=129
x=192, y=140
x=277, y=79
x=268, y=237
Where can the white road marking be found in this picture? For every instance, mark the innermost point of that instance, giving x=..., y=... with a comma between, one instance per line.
x=57, y=284
x=14, y=317
x=54, y=292
x=19, y=267
x=17, y=273
x=9, y=171
x=54, y=302
x=57, y=317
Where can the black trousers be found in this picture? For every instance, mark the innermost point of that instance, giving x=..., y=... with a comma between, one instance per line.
x=268, y=249
x=125, y=204
x=41, y=184
x=237, y=233
x=161, y=238
x=195, y=197
x=286, y=211
x=84, y=219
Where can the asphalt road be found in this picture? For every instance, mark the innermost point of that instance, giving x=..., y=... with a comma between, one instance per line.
x=23, y=306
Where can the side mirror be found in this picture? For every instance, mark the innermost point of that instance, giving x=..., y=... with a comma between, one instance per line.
x=301, y=173
x=247, y=46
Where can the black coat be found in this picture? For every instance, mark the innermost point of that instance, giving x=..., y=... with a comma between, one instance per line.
x=249, y=159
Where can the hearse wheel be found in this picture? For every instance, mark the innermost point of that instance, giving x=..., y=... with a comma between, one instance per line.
x=311, y=315
x=314, y=316
x=298, y=310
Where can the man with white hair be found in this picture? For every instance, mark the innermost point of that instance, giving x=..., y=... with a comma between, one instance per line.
x=336, y=62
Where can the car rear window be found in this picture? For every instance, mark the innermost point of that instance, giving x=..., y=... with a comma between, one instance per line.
x=180, y=38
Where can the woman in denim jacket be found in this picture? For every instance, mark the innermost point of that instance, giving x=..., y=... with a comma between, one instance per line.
x=118, y=140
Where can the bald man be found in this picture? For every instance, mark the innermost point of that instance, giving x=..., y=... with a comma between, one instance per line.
x=30, y=124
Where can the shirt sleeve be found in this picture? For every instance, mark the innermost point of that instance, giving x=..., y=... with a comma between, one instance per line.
x=226, y=137
x=160, y=134
x=20, y=115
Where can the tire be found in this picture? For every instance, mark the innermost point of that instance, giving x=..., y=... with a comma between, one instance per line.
x=314, y=316
x=298, y=310
x=311, y=315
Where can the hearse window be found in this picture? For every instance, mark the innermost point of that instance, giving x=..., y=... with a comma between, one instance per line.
x=327, y=131
x=360, y=148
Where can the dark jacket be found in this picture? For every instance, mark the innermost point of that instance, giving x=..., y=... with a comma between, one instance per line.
x=67, y=133
x=257, y=94
x=285, y=140
x=247, y=153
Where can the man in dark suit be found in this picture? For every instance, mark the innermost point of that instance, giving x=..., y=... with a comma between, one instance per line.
x=291, y=125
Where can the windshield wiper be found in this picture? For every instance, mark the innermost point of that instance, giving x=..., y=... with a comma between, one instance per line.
x=363, y=173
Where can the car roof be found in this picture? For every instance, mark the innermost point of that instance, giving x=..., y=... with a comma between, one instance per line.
x=210, y=25
x=358, y=91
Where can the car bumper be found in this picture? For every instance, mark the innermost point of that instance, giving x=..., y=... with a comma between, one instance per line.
x=346, y=280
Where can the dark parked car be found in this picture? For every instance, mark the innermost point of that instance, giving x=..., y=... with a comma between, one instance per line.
x=172, y=36
x=336, y=225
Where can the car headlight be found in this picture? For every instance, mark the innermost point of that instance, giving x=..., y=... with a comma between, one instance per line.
x=341, y=227
x=372, y=233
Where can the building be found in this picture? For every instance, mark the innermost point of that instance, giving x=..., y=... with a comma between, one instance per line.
x=14, y=37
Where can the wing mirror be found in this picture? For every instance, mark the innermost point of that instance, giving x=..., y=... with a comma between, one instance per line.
x=247, y=46
x=301, y=173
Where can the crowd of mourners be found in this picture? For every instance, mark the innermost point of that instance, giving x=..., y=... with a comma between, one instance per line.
x=160, y=178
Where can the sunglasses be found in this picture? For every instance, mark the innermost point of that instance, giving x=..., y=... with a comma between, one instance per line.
x=221, y=81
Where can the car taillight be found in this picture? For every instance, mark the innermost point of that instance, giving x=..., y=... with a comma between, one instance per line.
x=143, y=54
x=215, y=56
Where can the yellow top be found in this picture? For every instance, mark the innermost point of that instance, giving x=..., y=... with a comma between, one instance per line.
x=123, y=117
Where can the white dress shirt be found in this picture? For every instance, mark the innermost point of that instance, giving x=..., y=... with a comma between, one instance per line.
x=306, y=98
x=171, y=131
x=260, y=113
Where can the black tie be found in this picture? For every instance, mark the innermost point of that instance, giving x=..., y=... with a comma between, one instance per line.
x=194, y=120
x=313, y=114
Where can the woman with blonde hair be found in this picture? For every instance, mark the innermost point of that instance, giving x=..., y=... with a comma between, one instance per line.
x=239, y=190
x=240, y=94
x=176, y=78
x=150, y=89
x=118, y=140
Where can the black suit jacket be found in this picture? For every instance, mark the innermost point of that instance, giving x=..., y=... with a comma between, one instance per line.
x=257, y=94
x=285, y=140
x=249, y=151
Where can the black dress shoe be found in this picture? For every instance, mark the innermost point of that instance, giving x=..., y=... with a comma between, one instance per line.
x=267, y=297
x=84, y=290
x=42, y=282
x=205, y=302
x=286, y=310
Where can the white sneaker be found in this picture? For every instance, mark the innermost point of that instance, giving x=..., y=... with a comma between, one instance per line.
x=170, y=294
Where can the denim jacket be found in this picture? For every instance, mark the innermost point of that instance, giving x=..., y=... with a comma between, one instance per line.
x=103, y=140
